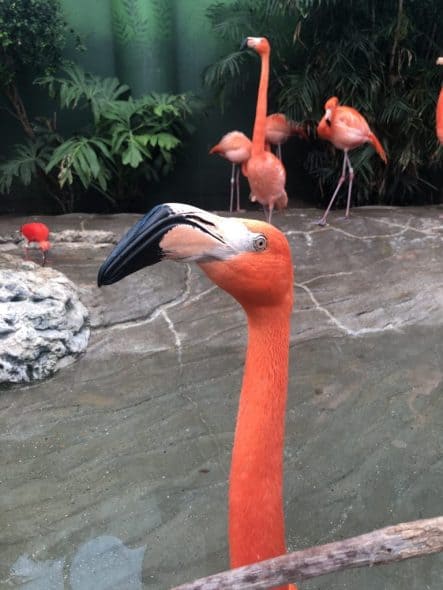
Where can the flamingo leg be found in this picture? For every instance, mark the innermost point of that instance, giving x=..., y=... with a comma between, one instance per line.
x=26, y=250
x=231, y=195
x=268, y=212
x=337, y=188
x=43, y=257
x=237, y=184
x=351, y=178
x=279, y=151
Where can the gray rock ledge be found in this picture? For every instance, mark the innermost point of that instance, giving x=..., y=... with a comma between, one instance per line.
x=43, y=324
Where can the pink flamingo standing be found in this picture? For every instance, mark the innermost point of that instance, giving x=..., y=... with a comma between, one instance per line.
x=266, y=173
x=235, y=147
x=346, y=129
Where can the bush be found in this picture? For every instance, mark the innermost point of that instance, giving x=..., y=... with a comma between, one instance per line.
x=127, y=143
x=32, y=34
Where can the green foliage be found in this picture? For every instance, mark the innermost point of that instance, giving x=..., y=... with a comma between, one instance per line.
x=32, y=32
x=78, y=89
x=377, y=56
x=26, y=159
x=129, y=25
x=127, y=142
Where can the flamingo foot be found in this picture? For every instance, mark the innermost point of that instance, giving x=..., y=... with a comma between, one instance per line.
x=322, y=222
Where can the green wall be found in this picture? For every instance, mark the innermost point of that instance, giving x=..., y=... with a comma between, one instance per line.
x=153, y=45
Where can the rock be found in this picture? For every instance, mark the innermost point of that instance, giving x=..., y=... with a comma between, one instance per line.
x=90, y=237
x=43, y=324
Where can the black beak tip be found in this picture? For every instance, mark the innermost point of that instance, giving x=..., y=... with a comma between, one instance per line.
x=101, y=280
x=139, y=247
x=244, y=44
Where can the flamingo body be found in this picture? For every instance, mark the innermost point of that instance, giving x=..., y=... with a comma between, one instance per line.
x=267, y=180
x=346, y=129
x=234, y=146
x=266, y=173
x=37, y=232
x=279, y=129
x=251, y=260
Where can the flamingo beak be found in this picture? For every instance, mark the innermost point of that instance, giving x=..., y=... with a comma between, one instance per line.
x=167, y=231
x=244, y=44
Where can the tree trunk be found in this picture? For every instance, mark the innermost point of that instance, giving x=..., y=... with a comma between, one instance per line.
x=13, y=95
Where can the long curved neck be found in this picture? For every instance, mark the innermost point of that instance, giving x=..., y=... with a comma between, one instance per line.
x=256, y=522
x=258, y=134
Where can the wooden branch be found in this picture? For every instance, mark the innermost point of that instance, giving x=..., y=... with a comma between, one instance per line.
x=393, y=543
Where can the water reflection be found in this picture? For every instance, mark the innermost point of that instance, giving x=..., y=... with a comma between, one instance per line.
x=103, y=563
x=38, y=575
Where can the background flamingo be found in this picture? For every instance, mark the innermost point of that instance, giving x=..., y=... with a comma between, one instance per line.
x=251, y=260
x=346, y=129
x=39, y=233
x=236, y=148
x=266, y=173
x=439, y=111
x=279, y=129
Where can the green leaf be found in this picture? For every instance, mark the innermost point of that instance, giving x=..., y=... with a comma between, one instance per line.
x=132, y=156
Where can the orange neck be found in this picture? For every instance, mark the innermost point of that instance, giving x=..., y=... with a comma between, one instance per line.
x=439, y=117
x=258, y=135
x=256, y=522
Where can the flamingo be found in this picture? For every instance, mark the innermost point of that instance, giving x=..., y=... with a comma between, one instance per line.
x=439, y=111
x=346, y=129
x=266, y=173
x=39, y=233
x=279, y=129
x=251, y=260
x=235, y=147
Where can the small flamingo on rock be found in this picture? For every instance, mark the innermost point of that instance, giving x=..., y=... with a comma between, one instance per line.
x=439, y=111
x=346, y=129
x=266, y=173
x=235, y=147
x=36, y=232
x=279, y=129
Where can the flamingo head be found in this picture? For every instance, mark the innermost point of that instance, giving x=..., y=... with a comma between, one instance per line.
x=440, y=61
x=249, y=259
x=330, y=105
x=258, y=44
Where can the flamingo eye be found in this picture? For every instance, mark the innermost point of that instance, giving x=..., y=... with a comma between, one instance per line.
x=260, y=243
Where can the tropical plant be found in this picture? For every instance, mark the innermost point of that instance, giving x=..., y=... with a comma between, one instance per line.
x=127, y=141
x=376, y=56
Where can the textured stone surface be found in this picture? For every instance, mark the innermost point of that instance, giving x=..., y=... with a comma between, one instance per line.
x=133, y=441
x=43, y=324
